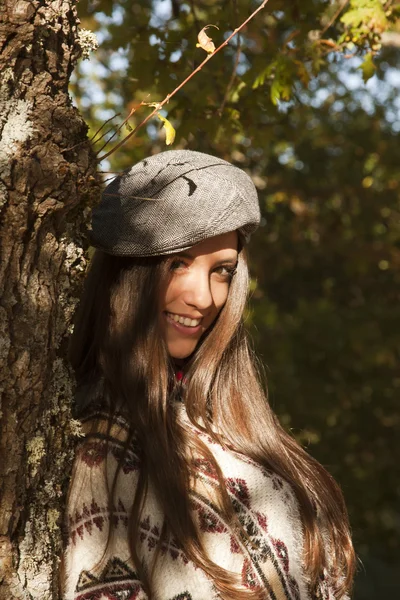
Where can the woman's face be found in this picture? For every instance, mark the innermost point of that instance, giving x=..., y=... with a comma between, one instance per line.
x=197, y=291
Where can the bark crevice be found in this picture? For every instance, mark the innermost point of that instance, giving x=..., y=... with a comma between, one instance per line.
x=44, y=195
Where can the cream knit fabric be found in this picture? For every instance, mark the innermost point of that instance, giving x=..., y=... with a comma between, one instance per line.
x=264, y=503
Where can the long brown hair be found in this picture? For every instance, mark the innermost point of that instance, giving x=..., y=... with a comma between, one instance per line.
x=117, y=337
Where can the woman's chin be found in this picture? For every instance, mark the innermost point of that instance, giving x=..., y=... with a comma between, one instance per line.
x=180, y=354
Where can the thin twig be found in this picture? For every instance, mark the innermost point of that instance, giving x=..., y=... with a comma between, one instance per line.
x=184, y=82
x=93, y=136
x=330, y=43
x=231, y=81
x=134, y=109
x=235, y=66
x=290, y=37
x=103, y=136
x=335, y=16
x=91, y=140
x=101, y=127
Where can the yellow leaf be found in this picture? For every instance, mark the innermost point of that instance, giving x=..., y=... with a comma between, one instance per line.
x=206, y=42
x=169, y=130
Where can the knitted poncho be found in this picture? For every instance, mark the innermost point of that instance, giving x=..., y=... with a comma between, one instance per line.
x=99, y=567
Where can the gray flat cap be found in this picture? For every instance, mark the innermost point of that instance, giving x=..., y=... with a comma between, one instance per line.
x=171, y=201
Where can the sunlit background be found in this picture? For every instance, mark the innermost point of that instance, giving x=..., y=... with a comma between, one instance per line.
x=301, y=103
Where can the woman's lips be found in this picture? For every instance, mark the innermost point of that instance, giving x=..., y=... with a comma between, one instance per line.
x=181, y=327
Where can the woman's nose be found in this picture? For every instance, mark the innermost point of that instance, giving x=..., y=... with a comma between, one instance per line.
x=198, y=291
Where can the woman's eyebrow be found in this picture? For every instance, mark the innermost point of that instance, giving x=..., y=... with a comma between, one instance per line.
x=184, y=255
x=230, y=260
x=189, y=256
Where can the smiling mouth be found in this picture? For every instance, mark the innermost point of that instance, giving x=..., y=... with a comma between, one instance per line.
x=186, y=321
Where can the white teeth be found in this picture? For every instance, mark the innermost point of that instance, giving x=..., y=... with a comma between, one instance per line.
x=184, y=320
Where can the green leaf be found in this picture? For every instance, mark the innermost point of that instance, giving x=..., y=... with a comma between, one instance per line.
x=368, y=67
x=234, y=114
x=261, y=77
x=367, y=13
x=317, y=64
x=236, y=92
x=281, y=90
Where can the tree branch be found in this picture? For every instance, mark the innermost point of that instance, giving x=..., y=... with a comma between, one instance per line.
x=333, y=19
x=184, y=82
x=134, y=109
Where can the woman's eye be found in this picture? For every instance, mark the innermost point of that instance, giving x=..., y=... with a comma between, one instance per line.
x=226, y=271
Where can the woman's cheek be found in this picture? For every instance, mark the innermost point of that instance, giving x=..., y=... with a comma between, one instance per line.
x=221, y=295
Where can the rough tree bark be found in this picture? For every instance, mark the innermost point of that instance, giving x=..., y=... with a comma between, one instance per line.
x=45, y=189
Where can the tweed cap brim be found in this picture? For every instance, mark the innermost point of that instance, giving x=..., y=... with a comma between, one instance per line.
x=172, y=201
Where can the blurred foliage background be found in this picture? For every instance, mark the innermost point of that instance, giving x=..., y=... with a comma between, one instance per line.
x=307, y=101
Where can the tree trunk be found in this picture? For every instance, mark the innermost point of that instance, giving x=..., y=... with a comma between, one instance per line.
x=47, y=182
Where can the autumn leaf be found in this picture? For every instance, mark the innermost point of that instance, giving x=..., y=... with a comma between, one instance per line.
x=169, y=130
x=206, y=42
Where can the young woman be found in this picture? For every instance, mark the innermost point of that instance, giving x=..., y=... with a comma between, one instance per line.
x=185, y=486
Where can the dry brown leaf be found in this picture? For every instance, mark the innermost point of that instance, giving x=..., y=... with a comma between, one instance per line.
x=206, y=42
